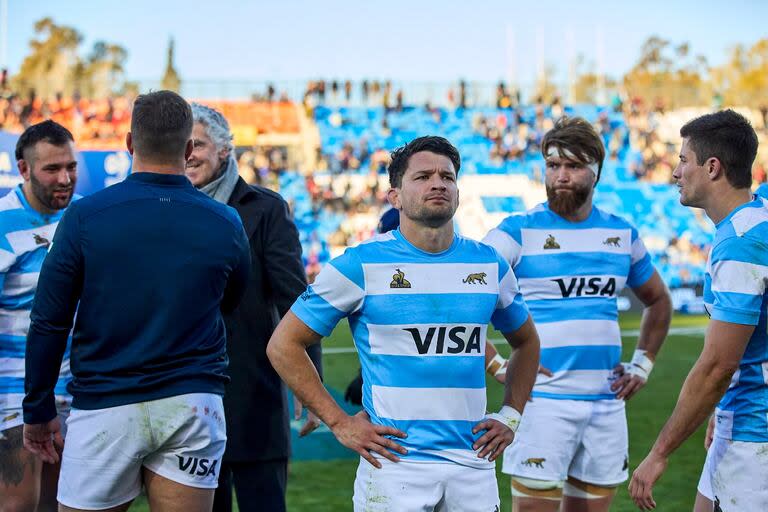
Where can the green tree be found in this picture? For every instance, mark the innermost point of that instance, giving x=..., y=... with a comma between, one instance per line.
x=53, y=55
x=670, y=74
x=743, y=79
x=54, y=65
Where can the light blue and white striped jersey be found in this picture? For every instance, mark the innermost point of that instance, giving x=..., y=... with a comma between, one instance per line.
x=419, y=322
x=736, y=291
x=25, y=235
x=762, y=191
x=571, y=274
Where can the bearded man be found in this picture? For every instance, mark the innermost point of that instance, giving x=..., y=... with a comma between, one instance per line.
x=572, y=260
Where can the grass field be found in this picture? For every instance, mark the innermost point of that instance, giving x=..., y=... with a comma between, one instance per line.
x=326, y=486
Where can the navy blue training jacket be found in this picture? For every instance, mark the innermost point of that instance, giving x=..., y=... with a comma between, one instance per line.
x=148, y=264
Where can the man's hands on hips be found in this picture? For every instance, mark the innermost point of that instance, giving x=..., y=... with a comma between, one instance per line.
x=643, y=479
x=627, y=384
x=710, y=432
x=496, y=438
x=359, y=434
x=44, y=440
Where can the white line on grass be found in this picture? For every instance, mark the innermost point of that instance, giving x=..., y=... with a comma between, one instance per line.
x=629, y=333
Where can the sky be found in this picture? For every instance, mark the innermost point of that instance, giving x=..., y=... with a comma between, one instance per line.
x=415, y=40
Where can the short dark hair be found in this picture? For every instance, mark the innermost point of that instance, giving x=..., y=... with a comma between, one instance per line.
x=161, y=125
x=579, y=137
x=727, y=136
x=47, y=131
x=431, y=143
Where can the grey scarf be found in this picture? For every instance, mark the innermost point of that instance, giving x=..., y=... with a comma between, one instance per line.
x=221, y=188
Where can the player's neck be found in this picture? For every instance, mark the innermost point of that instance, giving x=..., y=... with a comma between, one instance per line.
x=580, y=214
x=426, y=238
x=723, y=202
x=142, y=165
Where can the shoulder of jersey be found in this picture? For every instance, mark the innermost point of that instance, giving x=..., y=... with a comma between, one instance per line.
x=469, y=244
x=374, y=244
x=520, y=220
x=10, y=201
x=613, y=218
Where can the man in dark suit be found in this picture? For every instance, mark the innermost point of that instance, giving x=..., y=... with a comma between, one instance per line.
x=258, y=434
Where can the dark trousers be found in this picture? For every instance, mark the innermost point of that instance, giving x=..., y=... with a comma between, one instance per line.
x=259, y=486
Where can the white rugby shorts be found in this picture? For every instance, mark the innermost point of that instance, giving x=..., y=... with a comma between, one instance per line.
x=419, y=486
x=584, y=439
x=181, y=438
x=735, y=475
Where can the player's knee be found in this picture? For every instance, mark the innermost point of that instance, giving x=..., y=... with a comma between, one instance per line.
x=574, y=488
x=539, y=489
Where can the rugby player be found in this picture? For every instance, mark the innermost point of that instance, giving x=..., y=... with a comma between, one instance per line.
x=149, y=265
x=29, y=214
x=572, y=260
x=418, y=299
x=715, y=173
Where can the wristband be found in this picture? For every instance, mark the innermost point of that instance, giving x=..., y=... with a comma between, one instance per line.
x=641, y=365
x=496, y=365
x=508, y=416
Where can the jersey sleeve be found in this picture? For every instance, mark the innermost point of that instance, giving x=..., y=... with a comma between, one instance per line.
x=337, y=292
x=506, y=243
x=738, y=272
x=511, y=311
x=7, y=259
x=640, y=269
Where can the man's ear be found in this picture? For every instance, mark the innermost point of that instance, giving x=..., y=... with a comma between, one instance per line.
x=129, y=142
x=393, y=195
x=714, y=168
x=188, y=149
x=24, y=169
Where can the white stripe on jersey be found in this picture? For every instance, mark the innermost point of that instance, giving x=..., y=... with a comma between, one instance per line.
x=609, y=241
x=6, y=259
x=10, y=201
x=338, y=290
x=505, y=245
x=747, y=218
x=559, y=287
x=19, y=284
x=11, y=367
x=509, y=289
x=464, y=404
x=638, y=250
x=579, y=332
x=396, y=340
x=14, y=322
x=430, y=278
x=739, y=277
x=724, y=423
x=24, y=240
x=380, y=237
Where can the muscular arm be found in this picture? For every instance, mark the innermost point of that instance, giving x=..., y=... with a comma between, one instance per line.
x=287, y=351
x=657, y=315
x=523, y=365
x=706, y=383
x=58, y=292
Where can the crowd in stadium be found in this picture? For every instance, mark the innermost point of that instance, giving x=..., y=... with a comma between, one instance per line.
x=510, y=133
